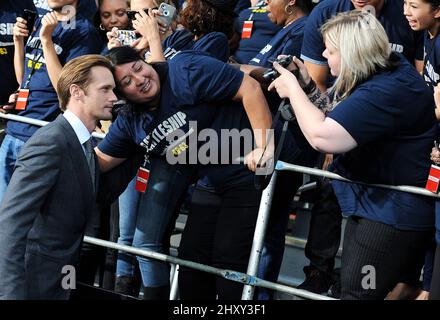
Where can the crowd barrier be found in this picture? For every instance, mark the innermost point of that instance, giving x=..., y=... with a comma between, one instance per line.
x=249, y=279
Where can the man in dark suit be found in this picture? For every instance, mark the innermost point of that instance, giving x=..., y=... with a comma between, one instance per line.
x=54, y=187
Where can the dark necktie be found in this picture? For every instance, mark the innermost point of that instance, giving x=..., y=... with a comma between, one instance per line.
x=90, y=156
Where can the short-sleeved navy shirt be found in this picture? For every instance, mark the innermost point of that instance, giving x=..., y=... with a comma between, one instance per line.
x=391, y=117
x=9, y=11
x=402, y=38
x=431, y=66
x=263, y=31
x=213, y=43
x=194, y=89
x=43, y=103
x=287, y=41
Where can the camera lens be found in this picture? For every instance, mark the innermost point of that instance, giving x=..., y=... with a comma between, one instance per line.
x=166, y=13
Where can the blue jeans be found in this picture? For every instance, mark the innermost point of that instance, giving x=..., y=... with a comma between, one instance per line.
x=8, y=156
x=129, y=203
x=144, y=218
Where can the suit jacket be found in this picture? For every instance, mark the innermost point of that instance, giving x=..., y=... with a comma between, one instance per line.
x=44, y=213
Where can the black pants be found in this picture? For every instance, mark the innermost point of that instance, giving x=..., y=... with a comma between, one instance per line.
x=377, y=256
x=92, y=257
x=435, y=283
x=325, y=229
x=219, y=233
x=111, y=256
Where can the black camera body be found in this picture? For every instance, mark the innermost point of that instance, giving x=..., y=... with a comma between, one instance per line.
x=271, y=74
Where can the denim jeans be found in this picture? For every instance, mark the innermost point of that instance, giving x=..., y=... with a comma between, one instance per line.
x=8, y=156
x=145, y=217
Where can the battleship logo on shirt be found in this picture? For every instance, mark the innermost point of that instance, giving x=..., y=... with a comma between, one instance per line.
x=6, y=29
x=35, y=56
x=163, y=130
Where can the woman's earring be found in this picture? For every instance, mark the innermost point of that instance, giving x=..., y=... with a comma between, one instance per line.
x=101, y=27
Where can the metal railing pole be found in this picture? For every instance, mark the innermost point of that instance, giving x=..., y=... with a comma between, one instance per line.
x=39, y=123
x=259, y=233
x=282, y=166
x=174, y=283
x=226, y=274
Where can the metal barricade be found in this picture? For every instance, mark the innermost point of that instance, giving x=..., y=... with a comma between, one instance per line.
x=249, y=279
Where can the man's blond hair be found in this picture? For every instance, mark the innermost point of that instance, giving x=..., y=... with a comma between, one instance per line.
x=77, y=71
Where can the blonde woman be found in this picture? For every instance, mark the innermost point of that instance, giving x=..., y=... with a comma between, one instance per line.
x=381, y=125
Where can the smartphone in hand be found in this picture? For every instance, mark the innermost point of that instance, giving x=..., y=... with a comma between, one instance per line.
x=30, y=17
x=167, y=13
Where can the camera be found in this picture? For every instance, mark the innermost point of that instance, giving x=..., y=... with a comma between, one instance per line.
x=271, y=74
x=30, y=17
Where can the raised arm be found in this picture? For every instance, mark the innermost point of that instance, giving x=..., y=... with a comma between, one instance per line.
x=49, y=23
x=20, y=31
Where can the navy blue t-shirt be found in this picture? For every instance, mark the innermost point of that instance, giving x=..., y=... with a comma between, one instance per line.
x=402, y=38
x=179, y=40
x=391, y=117
x=194, y=88
x=42, y=103
x=287, y=41
x=214, y=43
x=263, y=31
x=9, y=10
x=86, y=8
x=431, y=66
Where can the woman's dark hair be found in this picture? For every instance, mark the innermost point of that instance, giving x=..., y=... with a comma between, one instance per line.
x=434, y=3
x=126, y=54
x=200, y=18
x=306, y=6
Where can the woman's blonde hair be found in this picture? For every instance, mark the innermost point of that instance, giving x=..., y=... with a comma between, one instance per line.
x=363, y=45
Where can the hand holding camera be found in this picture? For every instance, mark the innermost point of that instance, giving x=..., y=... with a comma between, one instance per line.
x=147, y=25
x=295, y=74
x=163, y=16
x=285, y=83
x=271, y=74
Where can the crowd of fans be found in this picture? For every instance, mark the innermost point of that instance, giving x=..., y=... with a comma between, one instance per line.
x=362, y=85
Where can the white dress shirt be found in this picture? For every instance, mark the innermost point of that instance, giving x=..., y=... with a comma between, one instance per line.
x=78, y=126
